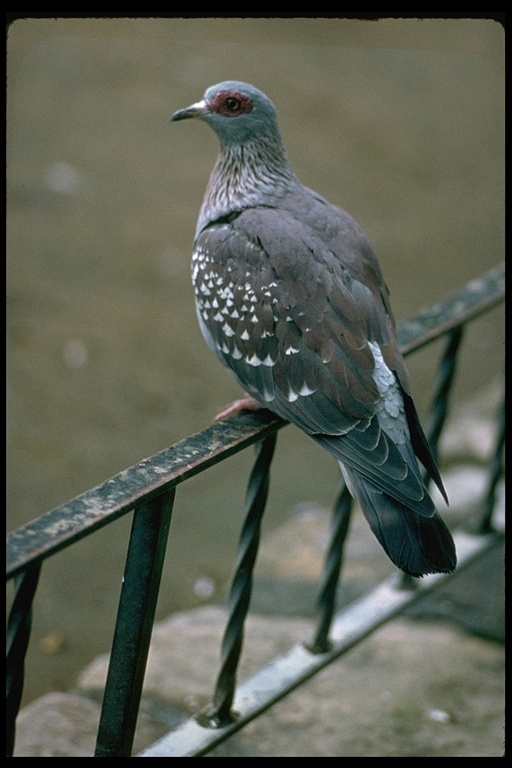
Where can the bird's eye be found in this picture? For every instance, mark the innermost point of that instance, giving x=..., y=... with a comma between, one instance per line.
x=232, y=104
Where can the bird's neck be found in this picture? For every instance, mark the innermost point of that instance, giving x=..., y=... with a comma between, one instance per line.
x=244, y=176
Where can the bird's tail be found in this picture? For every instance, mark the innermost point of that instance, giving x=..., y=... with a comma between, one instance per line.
x=416, y=543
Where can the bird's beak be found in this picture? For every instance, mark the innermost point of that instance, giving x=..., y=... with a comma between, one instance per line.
x=195, y=110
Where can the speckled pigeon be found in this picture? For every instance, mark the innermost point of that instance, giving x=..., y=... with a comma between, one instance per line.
x=291, y=298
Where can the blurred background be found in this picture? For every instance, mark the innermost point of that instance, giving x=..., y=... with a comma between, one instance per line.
x=401, y=122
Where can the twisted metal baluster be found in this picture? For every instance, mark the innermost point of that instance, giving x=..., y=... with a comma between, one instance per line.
x=439, y=406
x=18, y=635
x=495, y=474
x=333, y=562
x=219, y=712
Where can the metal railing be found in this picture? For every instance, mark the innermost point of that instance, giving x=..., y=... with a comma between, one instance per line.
x=148, y=490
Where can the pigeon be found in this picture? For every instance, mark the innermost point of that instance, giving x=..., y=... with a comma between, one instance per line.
x=291, y=298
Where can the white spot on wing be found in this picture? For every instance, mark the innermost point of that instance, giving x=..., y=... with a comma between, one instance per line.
x=255, y=361
x=228, y=330
x=305, y=390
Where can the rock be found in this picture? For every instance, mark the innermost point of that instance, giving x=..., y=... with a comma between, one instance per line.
x=57, y=725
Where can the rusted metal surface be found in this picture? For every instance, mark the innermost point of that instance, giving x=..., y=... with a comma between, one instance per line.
x=106, y=502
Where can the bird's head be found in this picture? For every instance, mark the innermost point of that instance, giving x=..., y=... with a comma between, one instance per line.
x=237, y=112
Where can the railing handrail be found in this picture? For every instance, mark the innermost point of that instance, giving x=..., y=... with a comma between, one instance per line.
x=158, y=474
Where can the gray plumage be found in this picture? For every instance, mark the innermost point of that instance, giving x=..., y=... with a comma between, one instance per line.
x=291, y=298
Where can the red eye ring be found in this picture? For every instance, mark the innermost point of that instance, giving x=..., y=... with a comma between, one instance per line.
x=230, y=104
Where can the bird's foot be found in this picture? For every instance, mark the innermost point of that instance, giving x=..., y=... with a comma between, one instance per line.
x=246, y=403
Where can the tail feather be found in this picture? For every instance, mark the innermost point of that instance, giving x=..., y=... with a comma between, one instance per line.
x=416, y=543
x=420, y=444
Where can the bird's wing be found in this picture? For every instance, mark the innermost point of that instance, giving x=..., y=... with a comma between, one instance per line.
x=288, y=317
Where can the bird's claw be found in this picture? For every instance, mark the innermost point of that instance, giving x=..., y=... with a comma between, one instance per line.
x=246, y=403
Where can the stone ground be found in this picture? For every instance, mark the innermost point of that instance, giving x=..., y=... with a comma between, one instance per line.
x=410, y=690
